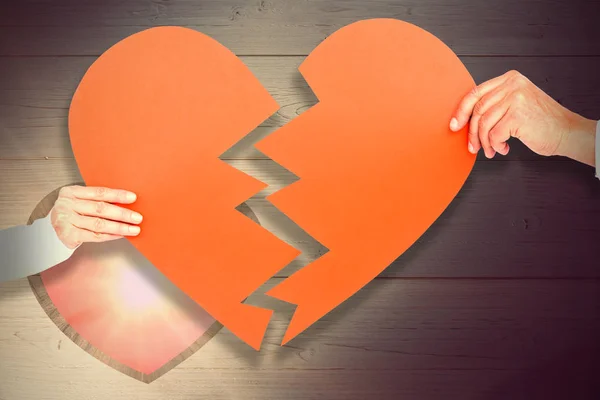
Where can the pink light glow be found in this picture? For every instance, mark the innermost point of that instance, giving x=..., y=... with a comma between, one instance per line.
x=122, y=305
x=136, y=292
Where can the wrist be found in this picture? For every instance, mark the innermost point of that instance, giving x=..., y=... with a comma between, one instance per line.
x=58, y=248
x=579, y=140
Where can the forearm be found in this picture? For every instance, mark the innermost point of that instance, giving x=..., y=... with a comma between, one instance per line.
x=597, y=148
x=30, y=249
x=580, y=142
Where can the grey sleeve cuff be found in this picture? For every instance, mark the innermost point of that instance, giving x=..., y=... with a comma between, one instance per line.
x=30, y=249
x=598, y=150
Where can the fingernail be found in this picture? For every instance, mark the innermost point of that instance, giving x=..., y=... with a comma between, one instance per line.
x=454, y=124
x=471, y=148
x=131, y=196
x=136, y=217
x=134, y=230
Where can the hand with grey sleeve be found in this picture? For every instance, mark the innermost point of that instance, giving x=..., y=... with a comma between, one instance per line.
x=80, y=214
x=508, y=106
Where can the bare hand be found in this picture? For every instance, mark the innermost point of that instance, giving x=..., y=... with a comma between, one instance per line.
x=512, y=106
x=89, y=214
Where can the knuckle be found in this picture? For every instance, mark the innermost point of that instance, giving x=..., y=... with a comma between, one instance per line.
x=483, y=122
x=60, y=204
x=101, y=207
x=100, y=192
x=64, y=191
x=58, y=228
x=494, y=138
x=473, y=124
x=98, y=224
x=494, y=133
x=479, y=108
x=71, y=204
x=55, y=224
x=58, y=216
x=463, y=112
x=519, y=97
x=473, y=129
x=520, y=79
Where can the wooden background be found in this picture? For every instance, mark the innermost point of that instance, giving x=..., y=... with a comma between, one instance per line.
x=499, y=299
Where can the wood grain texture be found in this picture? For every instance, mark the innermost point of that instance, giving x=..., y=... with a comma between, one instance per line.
x=499, y=299
x=276, y=27
x=511, y=219
x=37, y=285
x=34, y=102
x=408, y=339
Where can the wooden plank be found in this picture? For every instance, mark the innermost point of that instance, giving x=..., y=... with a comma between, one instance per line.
x=35, y=97
x=24, y=183
x=275, y=27
x=415, y=339
x=512, y=219
x=39, y=289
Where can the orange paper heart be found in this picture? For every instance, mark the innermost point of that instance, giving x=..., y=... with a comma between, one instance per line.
x=152, y=115
x=109, y=300
x=376, y=159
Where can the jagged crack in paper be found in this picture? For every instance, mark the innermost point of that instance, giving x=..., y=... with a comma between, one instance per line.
x=376, y=159
x=152, y=115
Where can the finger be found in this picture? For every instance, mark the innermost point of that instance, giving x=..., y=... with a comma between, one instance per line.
x=487, y=122
x=500, y=134
x=488, y=101
x=64, y=230
x=99, y=194
x=465, y=108
x=474, y=132
x=106, y=210
x=474, y=144
x=85, y=236
x=104, y=226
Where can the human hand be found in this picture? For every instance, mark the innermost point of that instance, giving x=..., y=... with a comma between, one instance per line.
x=88, y=214
x=512, y=106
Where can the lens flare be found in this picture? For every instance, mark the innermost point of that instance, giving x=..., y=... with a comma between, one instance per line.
x=123, y=306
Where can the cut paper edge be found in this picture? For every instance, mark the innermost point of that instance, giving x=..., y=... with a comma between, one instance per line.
x=130, y=96
x=321, y=145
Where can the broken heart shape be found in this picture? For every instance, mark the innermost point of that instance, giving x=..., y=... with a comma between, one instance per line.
x=376, y=160
x=110, y=301
x=152, y=115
